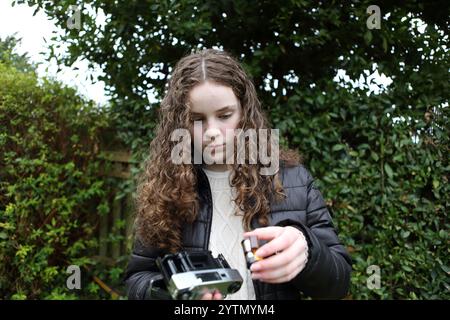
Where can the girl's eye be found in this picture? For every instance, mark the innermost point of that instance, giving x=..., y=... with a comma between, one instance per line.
x=225, y=116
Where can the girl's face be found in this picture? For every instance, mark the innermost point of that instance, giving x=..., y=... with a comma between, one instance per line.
x=218, y=109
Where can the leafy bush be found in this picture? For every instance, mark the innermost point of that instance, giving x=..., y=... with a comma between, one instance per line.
x=50, y=189
x=385, y=181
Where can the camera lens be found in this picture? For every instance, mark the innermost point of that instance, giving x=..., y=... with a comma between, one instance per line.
x=185, y=296
x=234, y=287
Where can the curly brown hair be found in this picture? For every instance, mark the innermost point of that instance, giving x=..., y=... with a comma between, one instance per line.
x=167, y=193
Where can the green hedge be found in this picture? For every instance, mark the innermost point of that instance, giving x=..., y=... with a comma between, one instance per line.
x=50, y=191
x=385, y=181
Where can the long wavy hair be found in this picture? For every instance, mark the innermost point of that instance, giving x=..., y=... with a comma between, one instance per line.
x=167, y=196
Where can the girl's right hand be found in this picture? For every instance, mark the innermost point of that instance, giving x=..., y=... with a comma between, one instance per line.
x=215, y=295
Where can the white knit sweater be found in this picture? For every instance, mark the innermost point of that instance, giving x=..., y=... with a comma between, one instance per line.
x=227, y=230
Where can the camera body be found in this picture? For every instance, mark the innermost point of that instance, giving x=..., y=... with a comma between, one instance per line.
x=189, y=274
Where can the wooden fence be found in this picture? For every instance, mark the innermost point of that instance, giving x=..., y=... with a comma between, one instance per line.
x=118, y=164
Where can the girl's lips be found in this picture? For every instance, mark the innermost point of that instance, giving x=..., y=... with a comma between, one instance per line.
x=216, y=146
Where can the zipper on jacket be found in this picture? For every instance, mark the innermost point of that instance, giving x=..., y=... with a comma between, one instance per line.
x=209, y=214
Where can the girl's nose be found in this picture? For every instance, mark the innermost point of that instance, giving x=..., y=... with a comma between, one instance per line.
x=212, y=134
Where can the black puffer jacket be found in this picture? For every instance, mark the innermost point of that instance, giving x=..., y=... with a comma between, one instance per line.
x=326, y=274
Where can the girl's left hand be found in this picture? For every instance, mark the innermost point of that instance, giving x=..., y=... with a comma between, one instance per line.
x=290, y=254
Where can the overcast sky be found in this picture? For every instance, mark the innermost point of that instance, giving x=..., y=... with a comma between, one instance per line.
x=33, y=30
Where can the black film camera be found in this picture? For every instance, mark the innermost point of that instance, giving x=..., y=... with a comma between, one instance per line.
x=189, y=274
